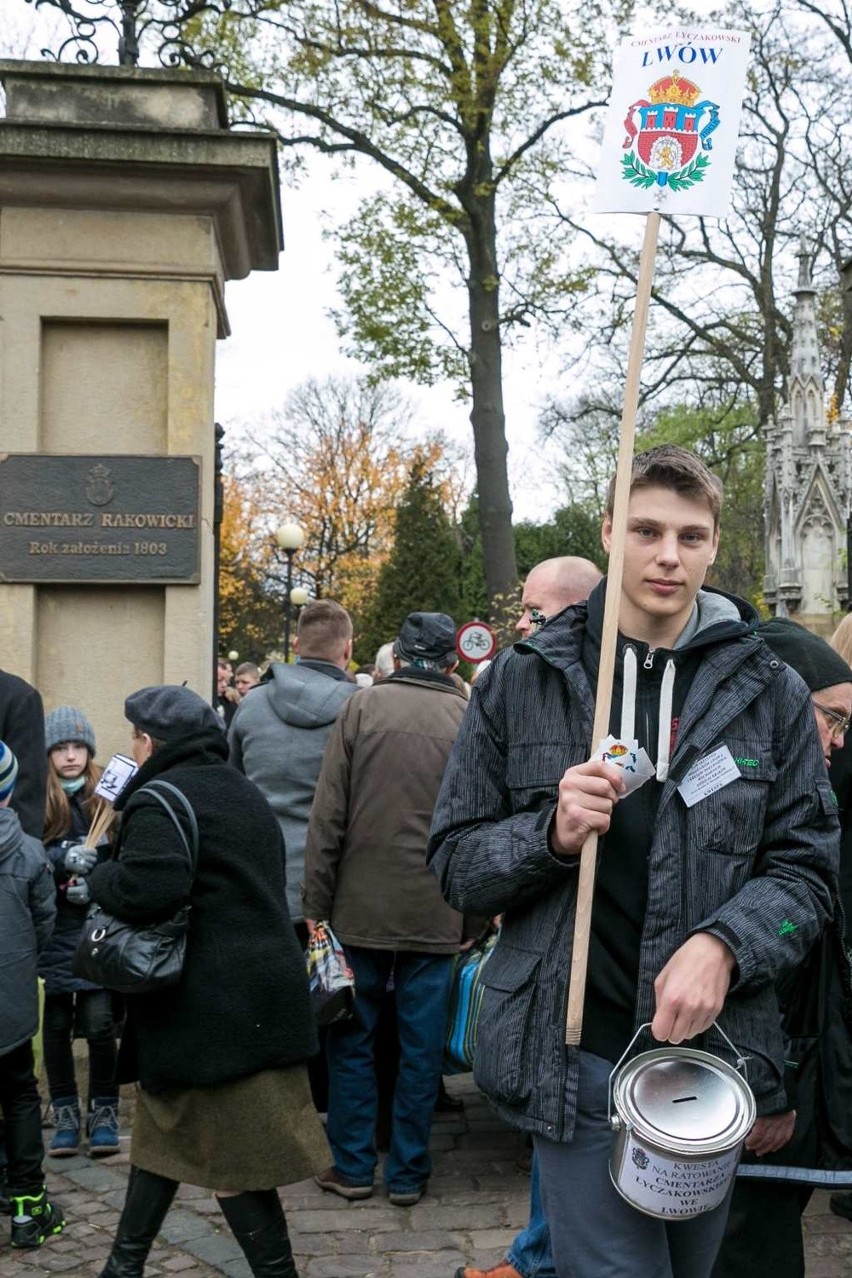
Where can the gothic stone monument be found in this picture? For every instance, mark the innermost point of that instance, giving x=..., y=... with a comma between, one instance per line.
x=808, y=484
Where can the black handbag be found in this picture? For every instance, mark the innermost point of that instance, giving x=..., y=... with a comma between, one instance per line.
x=133, y=958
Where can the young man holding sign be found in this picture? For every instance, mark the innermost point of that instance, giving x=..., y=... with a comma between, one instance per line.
x=718, y=852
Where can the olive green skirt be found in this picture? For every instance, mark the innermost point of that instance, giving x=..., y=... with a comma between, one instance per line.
x=256, y=1133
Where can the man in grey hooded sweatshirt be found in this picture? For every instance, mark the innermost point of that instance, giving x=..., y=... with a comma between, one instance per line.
x=279, y=733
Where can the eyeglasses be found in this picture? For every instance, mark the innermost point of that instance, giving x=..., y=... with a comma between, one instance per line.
x=839, y=723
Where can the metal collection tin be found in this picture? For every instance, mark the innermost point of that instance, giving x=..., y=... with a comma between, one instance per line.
x=681, y=1117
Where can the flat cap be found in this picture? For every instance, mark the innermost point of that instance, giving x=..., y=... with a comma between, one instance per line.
x=427, y=636
x=169, y=712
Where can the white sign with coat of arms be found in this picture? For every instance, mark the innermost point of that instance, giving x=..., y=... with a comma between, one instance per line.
x=670, y=136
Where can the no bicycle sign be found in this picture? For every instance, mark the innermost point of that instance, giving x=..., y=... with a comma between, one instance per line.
x=476, y=642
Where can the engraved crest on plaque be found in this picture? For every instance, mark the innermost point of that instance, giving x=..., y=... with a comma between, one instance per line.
x=100, y=489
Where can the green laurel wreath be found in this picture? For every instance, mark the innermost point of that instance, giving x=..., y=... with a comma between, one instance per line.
x=638, y=174
x=694, y=172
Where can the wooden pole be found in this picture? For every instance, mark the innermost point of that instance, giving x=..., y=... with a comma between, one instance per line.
x=606, y=669
x=101, y=822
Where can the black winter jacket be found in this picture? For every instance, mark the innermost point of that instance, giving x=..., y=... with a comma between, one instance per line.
x=22, y=728
x=754, y=863
x=27, y=911
x=242, y=1004
x=56, y=963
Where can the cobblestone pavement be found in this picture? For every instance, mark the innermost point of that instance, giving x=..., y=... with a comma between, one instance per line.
x=477, y=1199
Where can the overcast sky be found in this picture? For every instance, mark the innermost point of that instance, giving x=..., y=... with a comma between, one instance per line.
x=282, y=332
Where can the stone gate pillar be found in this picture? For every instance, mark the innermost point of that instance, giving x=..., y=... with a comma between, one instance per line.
x=125, y=205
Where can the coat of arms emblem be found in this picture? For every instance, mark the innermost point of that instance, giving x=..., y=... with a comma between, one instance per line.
x=665, y=148
x=640, y=1158
x=100, y=489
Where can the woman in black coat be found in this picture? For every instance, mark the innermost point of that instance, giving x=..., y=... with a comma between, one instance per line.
x=222, y=1099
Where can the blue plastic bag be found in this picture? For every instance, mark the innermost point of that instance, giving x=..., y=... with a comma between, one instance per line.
x=465, y=1001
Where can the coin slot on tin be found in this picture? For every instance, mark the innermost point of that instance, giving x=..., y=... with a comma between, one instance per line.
x=681, y=1100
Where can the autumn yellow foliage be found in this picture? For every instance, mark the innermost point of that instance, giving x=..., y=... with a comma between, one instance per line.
x=337, y=465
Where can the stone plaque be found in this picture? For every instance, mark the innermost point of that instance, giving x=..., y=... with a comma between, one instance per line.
x=118, y=519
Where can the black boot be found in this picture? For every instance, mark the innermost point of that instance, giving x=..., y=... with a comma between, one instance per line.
x=258, y=1223
x=148, y=1199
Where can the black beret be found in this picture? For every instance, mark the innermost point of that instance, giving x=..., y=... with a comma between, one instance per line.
x=169, y=712
x=809, y=655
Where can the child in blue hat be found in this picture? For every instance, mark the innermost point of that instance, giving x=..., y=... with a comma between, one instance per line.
x=27, y=913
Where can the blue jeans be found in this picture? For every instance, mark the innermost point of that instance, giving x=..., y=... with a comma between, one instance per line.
x=530, y=1253
x=422, y=988
x=594, y=1233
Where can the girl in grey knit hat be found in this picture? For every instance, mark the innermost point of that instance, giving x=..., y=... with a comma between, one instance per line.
x=74, y=1008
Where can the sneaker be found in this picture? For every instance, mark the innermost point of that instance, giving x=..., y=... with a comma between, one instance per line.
x=35, y=1219
x=332, y=1181
x=65, y=1141
x=503, y=1270
x=406, y=1197
x=841, y=1205
x=103, y=1127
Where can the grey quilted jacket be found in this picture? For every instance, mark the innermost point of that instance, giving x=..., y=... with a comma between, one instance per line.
x=27, y=914
x=754, y=863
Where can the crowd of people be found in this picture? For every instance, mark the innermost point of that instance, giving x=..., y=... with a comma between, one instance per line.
x=413, y=815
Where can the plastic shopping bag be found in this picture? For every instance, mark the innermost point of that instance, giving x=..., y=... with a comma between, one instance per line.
x=38, y=1045
x=465, y=1001
x=330, y=976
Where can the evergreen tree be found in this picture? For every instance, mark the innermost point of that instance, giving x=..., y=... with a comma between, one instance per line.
x=423, y=571
x=572, y=530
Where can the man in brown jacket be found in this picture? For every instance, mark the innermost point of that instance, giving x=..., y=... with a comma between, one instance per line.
x=366, y=873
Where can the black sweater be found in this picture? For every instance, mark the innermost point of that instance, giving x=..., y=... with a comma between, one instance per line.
x=242, y=1004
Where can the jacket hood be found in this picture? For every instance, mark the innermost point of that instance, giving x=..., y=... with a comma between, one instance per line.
x=305, y=698
x=717, y=616
x=10, y=833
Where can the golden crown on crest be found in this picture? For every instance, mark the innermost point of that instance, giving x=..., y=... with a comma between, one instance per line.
x=675, y=89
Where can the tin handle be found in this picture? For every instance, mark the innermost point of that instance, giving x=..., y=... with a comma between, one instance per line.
x=617, y=1066
x=739, y=1060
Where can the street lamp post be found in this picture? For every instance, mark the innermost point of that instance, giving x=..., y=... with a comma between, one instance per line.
x=298, y=598
x=289, y=538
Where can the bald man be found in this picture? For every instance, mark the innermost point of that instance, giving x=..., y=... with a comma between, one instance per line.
x=551, y=586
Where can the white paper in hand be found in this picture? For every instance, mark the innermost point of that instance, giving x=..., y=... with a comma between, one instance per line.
x=630, y=757
x=116, y=774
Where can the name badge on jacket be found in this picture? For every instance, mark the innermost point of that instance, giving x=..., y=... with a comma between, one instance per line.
x=707, y=775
